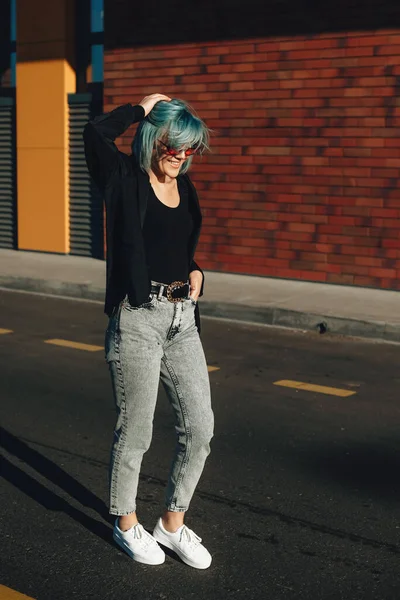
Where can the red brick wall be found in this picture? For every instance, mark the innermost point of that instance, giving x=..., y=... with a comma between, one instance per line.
x=303, y=180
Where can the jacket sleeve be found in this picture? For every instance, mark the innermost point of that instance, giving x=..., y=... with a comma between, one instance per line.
x=99, y=136
x=195, y=267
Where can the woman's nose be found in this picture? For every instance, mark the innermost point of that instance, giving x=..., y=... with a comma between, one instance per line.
x=181, y=155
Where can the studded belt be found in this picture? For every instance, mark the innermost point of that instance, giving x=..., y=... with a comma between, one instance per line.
x=177, y=291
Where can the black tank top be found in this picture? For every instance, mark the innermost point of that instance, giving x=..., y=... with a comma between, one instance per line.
x=166, y=233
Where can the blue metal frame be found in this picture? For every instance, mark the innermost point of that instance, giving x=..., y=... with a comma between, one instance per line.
x=13, y=39
x=97, y=50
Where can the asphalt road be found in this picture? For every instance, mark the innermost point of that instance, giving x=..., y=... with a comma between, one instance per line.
x=299, y=498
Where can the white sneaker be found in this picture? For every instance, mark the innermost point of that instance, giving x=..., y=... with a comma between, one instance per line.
x=139, y=544
x=185, y=543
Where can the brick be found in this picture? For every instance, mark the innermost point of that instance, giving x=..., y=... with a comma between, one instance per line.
x=354, y=270
x=386, y=213
x=316, y=219
x=292, y=198
x=368, y=261
x=312, y=275
x=269, y=61
x=388, y=50
x=385, y=36
x=365, y=281
x=343, y=279
x=301, y=227
x=243, y=67
x=391, y=143
x=341, y=259
x=392, y=202
x=218, y=50
x=294, y=236
x=369, y=202
x=378, y=272
x=269, y=150
x=242, y=85
x=268, y=47
x=385, y=173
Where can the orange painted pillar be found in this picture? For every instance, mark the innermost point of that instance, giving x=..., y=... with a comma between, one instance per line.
x=45, y=75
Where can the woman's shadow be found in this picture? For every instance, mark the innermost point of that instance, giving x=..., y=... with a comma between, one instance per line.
x=47, y=498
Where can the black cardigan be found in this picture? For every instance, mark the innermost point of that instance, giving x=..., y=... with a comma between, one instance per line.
x=125, y=188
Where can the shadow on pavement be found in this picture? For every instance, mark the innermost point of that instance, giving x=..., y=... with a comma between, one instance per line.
x=51, y=501
x=52, y=472
x=57, y=476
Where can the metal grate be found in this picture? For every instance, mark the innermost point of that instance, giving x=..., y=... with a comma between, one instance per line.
x=8, y=220
x=85, y=201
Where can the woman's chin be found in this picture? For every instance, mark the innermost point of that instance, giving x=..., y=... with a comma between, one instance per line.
x=172, y=171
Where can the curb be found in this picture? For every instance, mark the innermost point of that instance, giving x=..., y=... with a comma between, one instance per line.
x=273, y=316
x=84, y=291
x=291, y=319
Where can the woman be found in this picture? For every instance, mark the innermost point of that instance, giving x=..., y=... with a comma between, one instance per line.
x=153, y=225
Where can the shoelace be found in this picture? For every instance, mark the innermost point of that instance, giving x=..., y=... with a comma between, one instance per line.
x=139, y=533
x=190, y=537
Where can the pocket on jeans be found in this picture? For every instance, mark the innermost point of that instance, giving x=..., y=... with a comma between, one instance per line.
x=111, y=340
x=148, y=304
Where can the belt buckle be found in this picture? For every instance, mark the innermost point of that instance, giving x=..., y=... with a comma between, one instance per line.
x=171, y=288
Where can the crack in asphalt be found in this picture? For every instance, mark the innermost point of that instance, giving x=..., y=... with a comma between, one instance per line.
x=235, y=504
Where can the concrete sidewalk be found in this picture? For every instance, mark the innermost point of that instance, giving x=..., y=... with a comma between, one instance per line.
x=342, y=310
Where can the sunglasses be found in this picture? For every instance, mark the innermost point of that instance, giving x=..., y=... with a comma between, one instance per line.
x=173, y=152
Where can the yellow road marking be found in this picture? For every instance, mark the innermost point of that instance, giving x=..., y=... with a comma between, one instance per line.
x=211, y=369
x=9, y=594
x=3, y=331
x=76, y=345
x=310, y=387
x=91, y=348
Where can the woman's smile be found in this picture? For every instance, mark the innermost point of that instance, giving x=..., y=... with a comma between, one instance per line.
x=174, y=163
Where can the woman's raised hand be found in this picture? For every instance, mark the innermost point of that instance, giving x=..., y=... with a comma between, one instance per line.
x=149, y=101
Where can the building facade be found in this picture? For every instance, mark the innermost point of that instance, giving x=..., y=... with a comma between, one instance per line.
x=51, y=83
x=302, y=181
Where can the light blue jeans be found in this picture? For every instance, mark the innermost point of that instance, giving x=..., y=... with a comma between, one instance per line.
x=157, y=339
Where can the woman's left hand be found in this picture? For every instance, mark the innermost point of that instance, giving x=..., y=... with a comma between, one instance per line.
x=195, y=281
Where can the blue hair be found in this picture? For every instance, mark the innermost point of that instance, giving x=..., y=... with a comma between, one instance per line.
x=176, y=124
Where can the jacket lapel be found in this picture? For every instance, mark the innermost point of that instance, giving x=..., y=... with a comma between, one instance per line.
x=195, y=199
x=143, y=194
